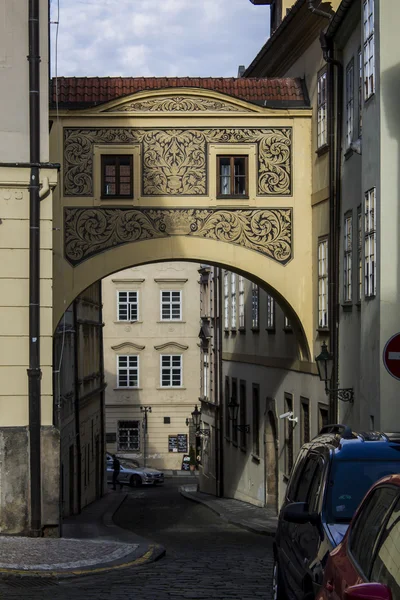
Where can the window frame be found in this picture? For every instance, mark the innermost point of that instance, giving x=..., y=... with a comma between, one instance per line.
x=322, y=109
x=360, y=279
x=370, y=274
x=255, y=307
x=129, y=303
x=323, y=295
x=288, y=437
x=369, y=48
x=270, y=313
x=349, y=103
x=170, y=302
x=171, y=367
x=234, y=392
x=128, y=368
x=241, y=302
x=206, y=374
x=360, y=89
x=232, y=158
x=119, y=448
x=117, y=195
x=226, y=300
x=233, y=302
x=348, y=258
x=305, y=425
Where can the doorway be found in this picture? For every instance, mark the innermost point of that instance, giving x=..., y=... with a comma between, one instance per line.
x=271, y=463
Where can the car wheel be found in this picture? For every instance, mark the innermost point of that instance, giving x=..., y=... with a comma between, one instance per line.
x=277, y=588
x=135, y=481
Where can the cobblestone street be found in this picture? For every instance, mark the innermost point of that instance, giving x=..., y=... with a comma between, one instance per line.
x=206, y=558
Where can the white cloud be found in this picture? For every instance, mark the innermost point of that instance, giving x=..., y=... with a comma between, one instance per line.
x=197, y=38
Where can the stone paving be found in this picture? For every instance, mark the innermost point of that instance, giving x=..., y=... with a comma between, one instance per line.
x=206, y=557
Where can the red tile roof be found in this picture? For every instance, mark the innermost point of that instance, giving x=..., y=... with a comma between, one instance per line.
x=77, y=92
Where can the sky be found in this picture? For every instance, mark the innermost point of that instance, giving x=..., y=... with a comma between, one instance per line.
x=156, y=38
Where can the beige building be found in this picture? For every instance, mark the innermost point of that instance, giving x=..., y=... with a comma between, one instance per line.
x=151, y=359
x=29, y=482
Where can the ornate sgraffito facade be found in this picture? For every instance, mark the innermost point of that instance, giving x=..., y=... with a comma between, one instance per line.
x=89, y=231
x=178, y=104
x=175, y=160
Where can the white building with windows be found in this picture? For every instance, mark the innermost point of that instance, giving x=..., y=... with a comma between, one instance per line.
x=151, y=359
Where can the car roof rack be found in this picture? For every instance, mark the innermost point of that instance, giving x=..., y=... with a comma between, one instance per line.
x=344, y=430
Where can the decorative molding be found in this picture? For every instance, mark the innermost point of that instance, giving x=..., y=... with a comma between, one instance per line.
x=169, y=280
x=172, y=345
x=127, y=280
x=177, y=104
x=128, y=345
x=175, y=161
x=90, y=231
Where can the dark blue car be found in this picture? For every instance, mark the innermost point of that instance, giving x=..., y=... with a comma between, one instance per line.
x=331, y=475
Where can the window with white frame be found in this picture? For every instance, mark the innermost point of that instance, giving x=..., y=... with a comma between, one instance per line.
x=287, y=323
x=171, y=305
x=226, y=300
x=359, y=254
x=233, y=300
x=369, y=49
x=128, y=436
x=128, y=371
x=171, y=370
x=255, y=308
x=348, y=256
x=270, y=312
x=206, y=370
x=349, y=103
x=128, y=306
x=369, y=243
x=360, y=90
x=241, y=302
x=322, y=110
x=323, y=283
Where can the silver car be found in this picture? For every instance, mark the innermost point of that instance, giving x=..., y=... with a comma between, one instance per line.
x=133, y=475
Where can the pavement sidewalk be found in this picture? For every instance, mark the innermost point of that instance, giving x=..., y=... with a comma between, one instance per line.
x=90, y=543
x=242, y=514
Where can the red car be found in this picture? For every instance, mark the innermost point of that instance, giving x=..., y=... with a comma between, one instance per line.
x=366, y=564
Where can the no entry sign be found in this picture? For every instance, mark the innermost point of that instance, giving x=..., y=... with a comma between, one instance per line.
x=391, y=356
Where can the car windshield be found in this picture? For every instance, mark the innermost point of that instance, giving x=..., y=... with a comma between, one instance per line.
x=349, y=481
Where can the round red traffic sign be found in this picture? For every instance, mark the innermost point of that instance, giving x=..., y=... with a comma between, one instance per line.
x=391, y=356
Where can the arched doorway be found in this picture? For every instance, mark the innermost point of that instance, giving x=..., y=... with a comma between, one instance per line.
x=271, y=462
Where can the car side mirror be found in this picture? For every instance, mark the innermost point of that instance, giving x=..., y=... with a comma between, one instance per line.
x=368, y=591
x=297, y=512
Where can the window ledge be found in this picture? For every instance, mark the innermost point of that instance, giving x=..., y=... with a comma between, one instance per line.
x=358, y=304
x=242, y=329
x=228, y=440
x=243, y=449
x=348, y=153
x=322, y=150
x=255, y=458
x=323, y=330
x=285, y=477
x=287, y=330
x=229, y=197
x=171, y=387
x=371, y=297
x=235, y=444
x=233, y=330
x=126, y=322
x=121, y=389
x=347, y=306
x=169, y=321
x=255, y=329
x=270, y=329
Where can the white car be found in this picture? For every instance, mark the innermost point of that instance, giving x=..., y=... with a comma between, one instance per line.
x=133, y=475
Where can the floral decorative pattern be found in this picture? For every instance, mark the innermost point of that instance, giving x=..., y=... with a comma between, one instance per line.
x=175, y=160
x=90, y=231
x=178, y=104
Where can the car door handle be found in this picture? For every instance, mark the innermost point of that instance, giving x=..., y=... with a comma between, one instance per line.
x=329, y=586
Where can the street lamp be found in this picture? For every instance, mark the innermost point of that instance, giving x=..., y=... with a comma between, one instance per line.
x=325, y=369
x=196, y=417
x=233, y=408
x=145, y=409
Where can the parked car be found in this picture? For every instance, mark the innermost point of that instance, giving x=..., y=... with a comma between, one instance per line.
x=329, y=479
x=132, y=475
x=366, y=564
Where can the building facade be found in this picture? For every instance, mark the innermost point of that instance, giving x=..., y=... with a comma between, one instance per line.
x=29, y=442
x=151, y=358
x=79, y=401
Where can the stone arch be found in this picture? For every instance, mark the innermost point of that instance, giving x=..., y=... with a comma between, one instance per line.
x=288, y=284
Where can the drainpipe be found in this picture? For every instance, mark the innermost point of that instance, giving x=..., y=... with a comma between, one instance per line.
x=34, y=371
x=218, y=286
x=335, y=149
